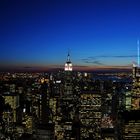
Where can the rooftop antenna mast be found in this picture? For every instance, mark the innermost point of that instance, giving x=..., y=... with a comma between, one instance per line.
x=68, y=57
x=138, y=52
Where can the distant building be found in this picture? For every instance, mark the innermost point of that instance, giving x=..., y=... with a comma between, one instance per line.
x=131, y=116
x=135, y=101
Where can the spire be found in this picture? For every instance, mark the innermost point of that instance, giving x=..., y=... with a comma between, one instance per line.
x=68, y=56
x=68, y=64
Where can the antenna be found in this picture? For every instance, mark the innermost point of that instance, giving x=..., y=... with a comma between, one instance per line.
x=138, y=52
x=68, y=57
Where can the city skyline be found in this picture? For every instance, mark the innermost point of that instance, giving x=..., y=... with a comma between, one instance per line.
x=100, y=34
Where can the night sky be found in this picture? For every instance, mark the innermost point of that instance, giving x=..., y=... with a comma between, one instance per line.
x=37, y=34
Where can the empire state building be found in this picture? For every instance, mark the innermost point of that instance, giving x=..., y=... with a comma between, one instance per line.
x=68, y=64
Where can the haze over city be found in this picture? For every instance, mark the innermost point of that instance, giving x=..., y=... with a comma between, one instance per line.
x=98, y=33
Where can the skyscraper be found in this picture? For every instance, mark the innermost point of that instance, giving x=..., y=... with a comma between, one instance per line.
x=68, y=64
x=68, y=101
x=132, y=114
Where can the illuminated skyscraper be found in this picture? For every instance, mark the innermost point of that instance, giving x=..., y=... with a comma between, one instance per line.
x=68, y=64
x=67, y=104
x=132, y=114
x=90, y=107
x=135, y=101
x=90, y=115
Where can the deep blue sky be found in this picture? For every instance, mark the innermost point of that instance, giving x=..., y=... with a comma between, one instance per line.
x=39, y=33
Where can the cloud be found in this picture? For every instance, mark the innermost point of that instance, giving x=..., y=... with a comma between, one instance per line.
x=92, y=60
x=85, y=59
x=27, y=67
x=80, y=66
x=115, y=56
x=109, y=56
x=96, y=62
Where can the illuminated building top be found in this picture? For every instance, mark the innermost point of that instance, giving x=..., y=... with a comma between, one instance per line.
x=136, y=68
x=68, y=64
x=135, y=101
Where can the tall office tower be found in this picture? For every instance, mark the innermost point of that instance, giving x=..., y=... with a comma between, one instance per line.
x=10, y=111
x=12, y=100
x=107, y=126
x=90, y=111
x=56, y=88
x=136, y=85
x=118, y=102
x=136, y=89
x=44, y=102
x=132, y=116
x=90, y=115
x=2, y=103
x=45, y=129
x=68, y=102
